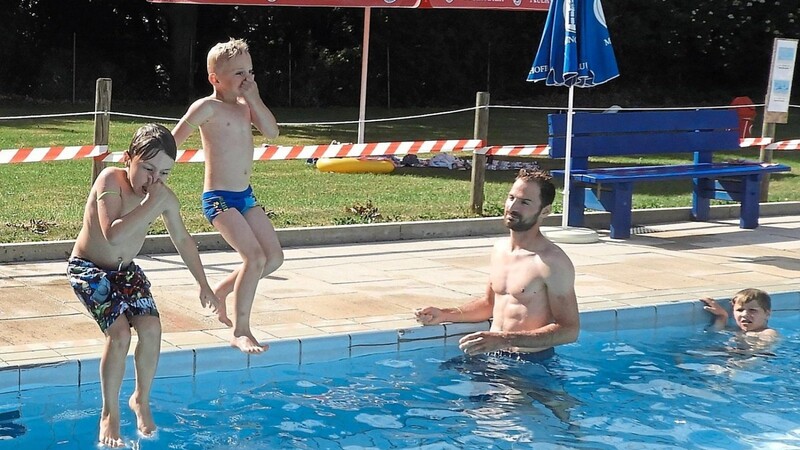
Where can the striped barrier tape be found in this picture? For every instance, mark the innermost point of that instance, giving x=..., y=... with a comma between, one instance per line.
x=751, y=142
x=282, y=152
x=793, y=144
x=515, y=150
x=34, y=154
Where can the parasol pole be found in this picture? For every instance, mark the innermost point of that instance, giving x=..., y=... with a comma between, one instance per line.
x=568, y=163
x=362, y=104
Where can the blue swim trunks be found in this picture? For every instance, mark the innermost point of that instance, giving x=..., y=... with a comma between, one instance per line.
x=108, y=294
x=217, y=202
x=542, y=355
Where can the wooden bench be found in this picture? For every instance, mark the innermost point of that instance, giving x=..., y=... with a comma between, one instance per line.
x=645, y=133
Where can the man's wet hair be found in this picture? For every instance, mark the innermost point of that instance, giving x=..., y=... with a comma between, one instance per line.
x=150, y=139
x=547, y=190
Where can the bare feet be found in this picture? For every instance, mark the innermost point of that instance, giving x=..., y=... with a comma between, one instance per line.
x=109, y=431
x=144, y=417
x=222, y=292
x=248, y=344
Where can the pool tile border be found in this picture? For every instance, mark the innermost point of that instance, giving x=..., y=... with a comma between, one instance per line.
x=298, y=351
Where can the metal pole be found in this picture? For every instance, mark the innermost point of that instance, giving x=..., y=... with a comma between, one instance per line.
x=362, y=107
x=480, y=131
x=568, y=160
x=102, y=107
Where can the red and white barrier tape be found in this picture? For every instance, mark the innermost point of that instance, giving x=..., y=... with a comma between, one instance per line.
x=751, y=142
x=793, y=144
x=34, y=154
x=515, y=150
x=281, y=152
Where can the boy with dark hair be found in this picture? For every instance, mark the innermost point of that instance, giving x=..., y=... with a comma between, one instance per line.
x=122, y=204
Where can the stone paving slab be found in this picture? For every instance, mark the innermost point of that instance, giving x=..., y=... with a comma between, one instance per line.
x=348, y=288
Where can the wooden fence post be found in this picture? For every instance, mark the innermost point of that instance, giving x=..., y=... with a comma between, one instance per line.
x=765, y=155
x=102, y=107
x=481, y=131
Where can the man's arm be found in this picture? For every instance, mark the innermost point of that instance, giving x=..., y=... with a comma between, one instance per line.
x=187, y=248
x=476, y=310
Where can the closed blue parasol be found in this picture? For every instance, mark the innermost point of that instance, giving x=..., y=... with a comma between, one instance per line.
x=575, y=50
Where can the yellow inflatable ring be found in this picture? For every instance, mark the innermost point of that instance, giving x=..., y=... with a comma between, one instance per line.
x=354, y=165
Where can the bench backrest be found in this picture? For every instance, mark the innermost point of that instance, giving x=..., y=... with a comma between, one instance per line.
x=635, y=133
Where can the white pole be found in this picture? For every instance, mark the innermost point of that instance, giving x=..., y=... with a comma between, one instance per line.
x=568, y=162
x=362, y=107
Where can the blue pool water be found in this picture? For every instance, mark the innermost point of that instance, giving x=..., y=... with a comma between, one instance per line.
x=662, y=388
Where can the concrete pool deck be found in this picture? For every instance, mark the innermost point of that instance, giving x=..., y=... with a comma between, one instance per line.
x=369, y=286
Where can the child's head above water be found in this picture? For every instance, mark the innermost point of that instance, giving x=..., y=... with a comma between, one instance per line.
x=751, y=309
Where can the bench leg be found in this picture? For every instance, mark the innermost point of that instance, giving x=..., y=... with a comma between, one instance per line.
x=621, y=211
x=751, y=195
x=701, y=204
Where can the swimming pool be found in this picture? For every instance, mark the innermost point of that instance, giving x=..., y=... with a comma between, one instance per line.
x=637, y=378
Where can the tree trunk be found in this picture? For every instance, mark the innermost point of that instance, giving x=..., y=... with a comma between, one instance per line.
x=182, y=32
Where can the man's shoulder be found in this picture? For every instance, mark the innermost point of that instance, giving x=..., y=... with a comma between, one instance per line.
x=555, y=254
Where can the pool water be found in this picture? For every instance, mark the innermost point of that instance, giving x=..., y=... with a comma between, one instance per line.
x=663, y=388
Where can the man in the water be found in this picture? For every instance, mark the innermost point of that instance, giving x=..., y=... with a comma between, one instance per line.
x=530, y=295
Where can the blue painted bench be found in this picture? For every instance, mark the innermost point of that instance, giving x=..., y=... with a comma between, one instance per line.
x=655, y=132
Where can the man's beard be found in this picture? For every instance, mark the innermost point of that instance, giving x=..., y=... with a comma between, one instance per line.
x=521, y=225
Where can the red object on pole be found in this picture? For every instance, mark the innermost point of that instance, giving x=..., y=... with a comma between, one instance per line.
x=747, y=115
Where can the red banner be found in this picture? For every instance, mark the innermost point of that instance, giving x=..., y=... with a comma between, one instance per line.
x=328, y=3
x=518, y=5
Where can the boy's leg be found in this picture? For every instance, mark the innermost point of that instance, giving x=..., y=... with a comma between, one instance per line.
x=112, y=369
x=268, y=240
x=236, y=231
x=148, y=330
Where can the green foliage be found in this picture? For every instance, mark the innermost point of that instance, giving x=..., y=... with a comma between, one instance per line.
x=708, y=51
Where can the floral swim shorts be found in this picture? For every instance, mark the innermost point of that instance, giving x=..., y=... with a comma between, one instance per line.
x=108, y=294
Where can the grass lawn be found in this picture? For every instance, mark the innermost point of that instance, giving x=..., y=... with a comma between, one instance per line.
x=44, y=201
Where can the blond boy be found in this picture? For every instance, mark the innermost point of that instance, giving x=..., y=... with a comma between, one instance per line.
x=751, y=311
x=121, y=205
x=225, y=119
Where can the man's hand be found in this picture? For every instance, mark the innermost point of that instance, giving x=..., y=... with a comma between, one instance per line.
x=482, y=342
x=428, y=316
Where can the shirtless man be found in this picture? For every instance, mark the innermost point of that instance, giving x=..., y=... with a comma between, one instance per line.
x=531, y=291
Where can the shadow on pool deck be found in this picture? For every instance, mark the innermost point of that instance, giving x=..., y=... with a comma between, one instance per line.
x=374, y=286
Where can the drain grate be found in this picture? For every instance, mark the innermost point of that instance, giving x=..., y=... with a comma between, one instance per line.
x=638, y=229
